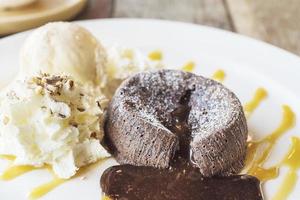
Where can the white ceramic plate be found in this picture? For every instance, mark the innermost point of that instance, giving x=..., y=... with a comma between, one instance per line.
x=248, y=64
x=38, y=13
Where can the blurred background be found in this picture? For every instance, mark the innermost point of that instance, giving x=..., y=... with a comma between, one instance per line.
x=274, y=21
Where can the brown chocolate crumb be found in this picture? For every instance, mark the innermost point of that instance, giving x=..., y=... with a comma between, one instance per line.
x=94, y=135
x=70, y=84
x=61, y=115
x=98, y=104
x=81, y=109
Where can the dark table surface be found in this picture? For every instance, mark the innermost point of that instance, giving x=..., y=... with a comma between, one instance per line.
x=273, y=21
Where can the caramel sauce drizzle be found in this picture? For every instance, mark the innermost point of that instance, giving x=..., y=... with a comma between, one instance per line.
x=259, y=151
x=292, y=161
x=259, y=96
x=45, y=188
x=13, y=172
x=155, y=55
x=189, y=66
x=8, y=157
x=106, y=198
x=219, y=75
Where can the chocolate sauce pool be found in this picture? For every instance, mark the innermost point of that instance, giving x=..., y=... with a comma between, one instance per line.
x=129, y=182
x=182, y=181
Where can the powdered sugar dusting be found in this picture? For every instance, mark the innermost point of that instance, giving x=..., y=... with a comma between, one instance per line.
x=156, y=94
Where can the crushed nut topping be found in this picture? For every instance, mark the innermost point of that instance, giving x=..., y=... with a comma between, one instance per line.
x=81, y=109
x=74, y=124
x=70, y=84
x=94, y=135
x=51, y=84
x=61, y=115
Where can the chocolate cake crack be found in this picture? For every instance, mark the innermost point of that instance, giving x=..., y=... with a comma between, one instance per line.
x=179, y=126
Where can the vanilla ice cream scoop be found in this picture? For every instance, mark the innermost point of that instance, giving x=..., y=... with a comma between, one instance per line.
x=14, y=3
x=54, y=120
x=63, y=48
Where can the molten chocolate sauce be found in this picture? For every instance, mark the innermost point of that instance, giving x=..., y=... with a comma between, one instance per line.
x=147, y=183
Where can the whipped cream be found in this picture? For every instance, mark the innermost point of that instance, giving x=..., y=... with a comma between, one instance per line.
x=53, y=120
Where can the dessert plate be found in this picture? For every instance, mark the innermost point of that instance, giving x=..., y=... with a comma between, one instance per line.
x=248, y=64
x=38, y=13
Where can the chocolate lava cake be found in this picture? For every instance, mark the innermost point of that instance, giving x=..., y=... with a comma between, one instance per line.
x=154, y=117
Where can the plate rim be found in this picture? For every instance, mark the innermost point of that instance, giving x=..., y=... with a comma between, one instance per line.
x=10, y=24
